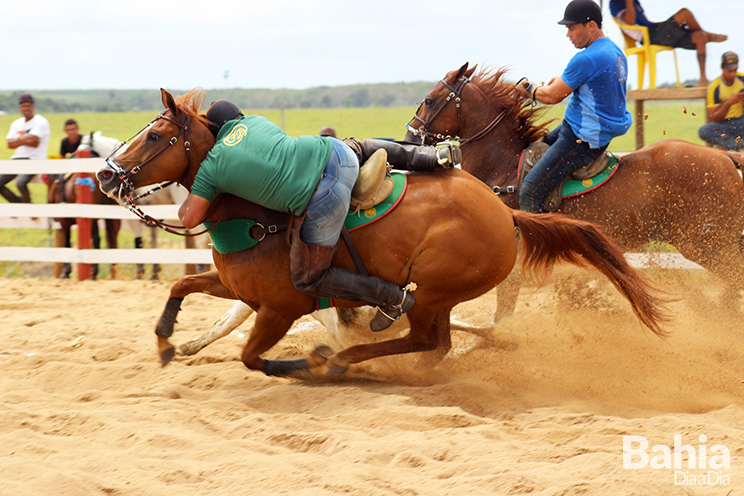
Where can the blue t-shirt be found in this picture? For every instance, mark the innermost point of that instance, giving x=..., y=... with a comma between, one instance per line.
x=617, y=6
x=596, y=111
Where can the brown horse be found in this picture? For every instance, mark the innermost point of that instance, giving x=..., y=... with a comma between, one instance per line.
x=450, y=236
x=671, y=191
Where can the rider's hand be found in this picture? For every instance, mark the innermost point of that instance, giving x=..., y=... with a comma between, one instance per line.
x=526, y=88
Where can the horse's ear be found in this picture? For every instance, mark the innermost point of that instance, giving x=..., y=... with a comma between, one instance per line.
x=168, y=101
x=462, y=70
x=470, y=71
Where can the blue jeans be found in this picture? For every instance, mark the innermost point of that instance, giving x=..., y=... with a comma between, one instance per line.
x=329, y=205
x=724, y=133
x=566, y=154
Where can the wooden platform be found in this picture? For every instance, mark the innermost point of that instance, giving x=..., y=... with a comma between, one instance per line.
x=640, y=96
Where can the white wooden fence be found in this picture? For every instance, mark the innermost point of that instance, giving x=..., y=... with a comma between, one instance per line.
x=12, y=213
x=9, y=211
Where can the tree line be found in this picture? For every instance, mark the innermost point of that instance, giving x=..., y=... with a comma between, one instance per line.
x=359, y=95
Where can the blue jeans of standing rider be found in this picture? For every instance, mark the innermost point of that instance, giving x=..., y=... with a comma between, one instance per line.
x=329, y=205
x=566, y=154
x=728, y=134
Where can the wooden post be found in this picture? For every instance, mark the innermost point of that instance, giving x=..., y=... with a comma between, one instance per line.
x=84, y=194
x=639, y=124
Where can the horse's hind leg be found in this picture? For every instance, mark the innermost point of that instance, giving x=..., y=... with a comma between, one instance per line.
x=507, y=293
x=209, y=283
x=426, y=334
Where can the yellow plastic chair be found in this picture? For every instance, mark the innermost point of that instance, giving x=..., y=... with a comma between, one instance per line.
x=646, y=54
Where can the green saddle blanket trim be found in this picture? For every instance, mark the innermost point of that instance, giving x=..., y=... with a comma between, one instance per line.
x=355, y=220
x=574, y=187
x=231, y=236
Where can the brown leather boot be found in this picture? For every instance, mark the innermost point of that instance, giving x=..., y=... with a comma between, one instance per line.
x=313, y=275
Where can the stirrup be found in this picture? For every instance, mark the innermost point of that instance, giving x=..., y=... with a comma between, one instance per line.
x=385, y=317
x=448, y=154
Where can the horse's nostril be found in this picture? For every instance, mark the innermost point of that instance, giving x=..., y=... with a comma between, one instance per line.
x=105, y=174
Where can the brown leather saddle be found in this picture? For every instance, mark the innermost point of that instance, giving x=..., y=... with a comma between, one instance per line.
x=552, y=200
x=374, y=183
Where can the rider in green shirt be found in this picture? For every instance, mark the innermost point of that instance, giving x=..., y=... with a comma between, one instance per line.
x=311, y=176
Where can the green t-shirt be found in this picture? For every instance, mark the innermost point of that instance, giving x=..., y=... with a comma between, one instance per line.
x=255, y=160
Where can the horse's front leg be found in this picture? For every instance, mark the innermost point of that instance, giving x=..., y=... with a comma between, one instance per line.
x=270, y=327
x=208, y=283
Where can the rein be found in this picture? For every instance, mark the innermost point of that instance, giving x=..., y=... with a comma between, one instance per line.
x=126, y=177
x=455, y=93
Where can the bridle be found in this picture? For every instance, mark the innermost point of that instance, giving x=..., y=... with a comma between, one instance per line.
x=455, y=94
x=126, y=177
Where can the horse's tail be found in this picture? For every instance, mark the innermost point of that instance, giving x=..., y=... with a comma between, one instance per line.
x=548, y=239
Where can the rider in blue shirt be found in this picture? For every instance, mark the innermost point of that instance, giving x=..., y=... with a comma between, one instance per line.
x=596, y=80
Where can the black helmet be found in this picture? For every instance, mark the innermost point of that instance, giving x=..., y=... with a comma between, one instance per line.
x=582, y=11
x=220, y=112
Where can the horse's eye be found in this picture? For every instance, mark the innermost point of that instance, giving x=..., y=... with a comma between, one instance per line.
x=427, y=101
x=152, y=136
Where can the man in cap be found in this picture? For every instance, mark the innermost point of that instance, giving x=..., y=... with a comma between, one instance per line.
x=310, y=177
x=682, y=30
x=725, y=104
x=29, y=137
x=596, y=80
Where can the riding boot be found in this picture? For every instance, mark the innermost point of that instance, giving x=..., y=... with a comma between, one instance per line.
x=408, y=156
x=313, y=275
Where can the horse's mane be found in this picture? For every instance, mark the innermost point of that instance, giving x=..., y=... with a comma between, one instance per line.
x=191, y=104
x=502, y=92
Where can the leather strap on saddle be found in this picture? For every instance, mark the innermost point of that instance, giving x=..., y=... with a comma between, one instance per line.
x=552, y=200
x=374, y=183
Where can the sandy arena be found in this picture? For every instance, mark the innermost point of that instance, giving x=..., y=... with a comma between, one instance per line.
x=541, y=410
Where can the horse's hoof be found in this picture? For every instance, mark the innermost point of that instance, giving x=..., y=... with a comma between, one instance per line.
x=337, y=366
x=189, y=348
x=167, y=355
x=320, y=355
x=286, y=368
x=336, y=369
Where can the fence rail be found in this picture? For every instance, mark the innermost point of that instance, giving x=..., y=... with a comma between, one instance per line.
x=165, y=212
x=11, y=215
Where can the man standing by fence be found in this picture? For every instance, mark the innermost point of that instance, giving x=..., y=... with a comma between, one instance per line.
x=29, y=137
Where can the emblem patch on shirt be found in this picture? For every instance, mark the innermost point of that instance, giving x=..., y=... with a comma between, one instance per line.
x=236, y=135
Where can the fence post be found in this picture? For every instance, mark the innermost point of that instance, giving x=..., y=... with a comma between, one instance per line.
x=84, y=185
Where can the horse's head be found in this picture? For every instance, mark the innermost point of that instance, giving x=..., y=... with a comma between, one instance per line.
x=435, y=118
x=170, y=148
x=470, y=106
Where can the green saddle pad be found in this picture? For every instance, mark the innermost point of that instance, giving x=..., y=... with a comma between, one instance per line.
x=231, y=236
x=574, y=187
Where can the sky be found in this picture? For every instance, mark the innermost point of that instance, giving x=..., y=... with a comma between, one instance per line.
x=178, y=45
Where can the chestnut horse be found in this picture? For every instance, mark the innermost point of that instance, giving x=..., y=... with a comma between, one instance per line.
x=683, y=194
x=450, y=237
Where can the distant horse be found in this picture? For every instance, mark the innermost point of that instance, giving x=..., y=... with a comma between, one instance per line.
x=103, y=146
x=64, y=190
x=458, y=242
x=672, y=191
